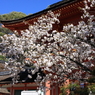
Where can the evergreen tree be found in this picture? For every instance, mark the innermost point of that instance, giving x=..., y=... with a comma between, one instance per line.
x=10, y=16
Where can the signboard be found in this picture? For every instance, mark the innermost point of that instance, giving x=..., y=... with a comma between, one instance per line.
x=31, y=92
x=82, y=85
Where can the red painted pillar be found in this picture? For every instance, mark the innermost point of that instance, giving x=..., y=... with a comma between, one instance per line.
x=11, y=90
x=55, y=90
x=47, y=91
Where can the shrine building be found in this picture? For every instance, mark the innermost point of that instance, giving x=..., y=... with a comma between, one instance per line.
x=70, y=12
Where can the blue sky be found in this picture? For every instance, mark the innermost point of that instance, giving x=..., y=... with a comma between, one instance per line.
x=25, y=6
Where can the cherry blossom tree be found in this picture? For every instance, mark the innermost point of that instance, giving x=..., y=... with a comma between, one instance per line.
x=69, y=54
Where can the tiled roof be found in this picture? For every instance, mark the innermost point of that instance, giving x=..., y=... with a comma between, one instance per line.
x=51, y=7
x=4, y=91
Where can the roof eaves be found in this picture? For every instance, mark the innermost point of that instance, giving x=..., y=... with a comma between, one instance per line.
x=51, y=7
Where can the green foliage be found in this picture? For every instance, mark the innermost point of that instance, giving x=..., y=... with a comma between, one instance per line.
x=81, y=91
x=75, y=89
x=12, y=16
x=92, y=88
x=73, y=85
x=3, y=58
x=1, y=33
x=63, y=90
x=5, y=30
x=91, y=79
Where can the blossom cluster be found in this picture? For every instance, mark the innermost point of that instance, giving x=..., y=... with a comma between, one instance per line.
x=60, y=55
